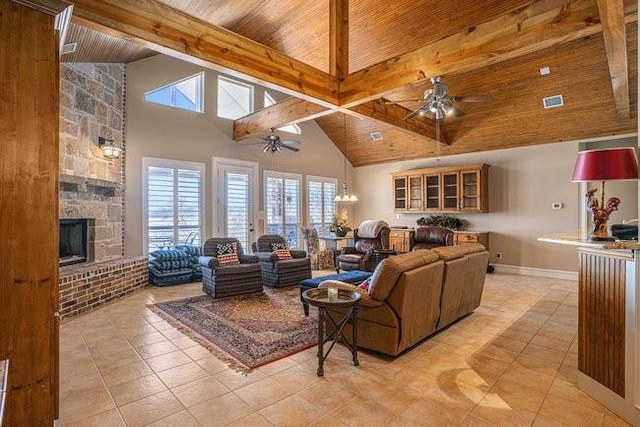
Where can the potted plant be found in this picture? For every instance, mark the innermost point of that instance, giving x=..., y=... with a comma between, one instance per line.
x=340, y=226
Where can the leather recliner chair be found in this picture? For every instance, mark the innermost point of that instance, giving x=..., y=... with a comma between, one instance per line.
x=432, y=237
x=360, y=255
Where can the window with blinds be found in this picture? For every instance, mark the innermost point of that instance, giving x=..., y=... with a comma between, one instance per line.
x=173, y=208
x=321, y=205
x=282, y=206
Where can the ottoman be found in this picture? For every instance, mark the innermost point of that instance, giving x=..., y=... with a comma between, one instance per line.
x=354, y=277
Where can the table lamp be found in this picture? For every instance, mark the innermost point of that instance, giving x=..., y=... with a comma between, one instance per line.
x=604, y=165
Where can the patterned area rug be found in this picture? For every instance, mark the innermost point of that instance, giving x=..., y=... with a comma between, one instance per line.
x=253, y=329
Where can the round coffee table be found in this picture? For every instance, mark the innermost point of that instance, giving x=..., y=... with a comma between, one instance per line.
x=345, y=300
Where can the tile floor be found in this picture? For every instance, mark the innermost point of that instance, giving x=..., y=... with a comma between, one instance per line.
x=512, y=362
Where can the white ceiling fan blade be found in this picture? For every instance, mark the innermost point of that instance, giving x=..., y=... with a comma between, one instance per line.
x=404, y=100
x=290, y=142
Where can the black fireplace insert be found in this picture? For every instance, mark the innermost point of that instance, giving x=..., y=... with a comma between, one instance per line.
x=73, y=241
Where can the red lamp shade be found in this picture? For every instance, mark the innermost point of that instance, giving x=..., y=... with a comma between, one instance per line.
x=605, y=165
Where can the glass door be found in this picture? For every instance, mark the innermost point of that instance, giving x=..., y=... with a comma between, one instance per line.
x=415, y=193
x=432, y=192
x=470, y=190
x=450, y=191
x=400, y=192
x=235, y=201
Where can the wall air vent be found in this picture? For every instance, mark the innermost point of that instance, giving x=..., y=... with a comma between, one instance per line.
x=376, y=136
x=553, y=101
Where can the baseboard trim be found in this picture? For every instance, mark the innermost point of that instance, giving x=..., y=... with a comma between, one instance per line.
x=538, y=272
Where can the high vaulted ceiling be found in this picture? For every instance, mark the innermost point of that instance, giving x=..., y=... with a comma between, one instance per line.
x=345, y=58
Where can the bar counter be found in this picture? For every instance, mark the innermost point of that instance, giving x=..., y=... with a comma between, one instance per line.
x=608, y=321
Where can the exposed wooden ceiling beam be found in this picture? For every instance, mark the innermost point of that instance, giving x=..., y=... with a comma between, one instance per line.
x=394, y=115
x=615, y=43
x=286, y=112
x=50, y=7
x=339, y=38
x=178, y=34
x=543, y=24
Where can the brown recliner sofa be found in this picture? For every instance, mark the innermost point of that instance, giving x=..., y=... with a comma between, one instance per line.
x=415, y=294
x=431, y=237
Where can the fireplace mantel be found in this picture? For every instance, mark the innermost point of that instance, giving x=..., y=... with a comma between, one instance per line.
x=81, y=180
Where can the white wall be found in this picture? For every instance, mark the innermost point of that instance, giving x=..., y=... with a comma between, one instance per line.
x=523, y=183
x=159, y=131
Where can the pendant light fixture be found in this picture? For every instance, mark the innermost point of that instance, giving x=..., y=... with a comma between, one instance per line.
x=346, y=196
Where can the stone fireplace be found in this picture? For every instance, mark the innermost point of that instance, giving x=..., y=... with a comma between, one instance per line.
x=92, y=99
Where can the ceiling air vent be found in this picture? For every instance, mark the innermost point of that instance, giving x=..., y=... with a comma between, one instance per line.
x=376, y=136
x=69, y=48
x=553, y=101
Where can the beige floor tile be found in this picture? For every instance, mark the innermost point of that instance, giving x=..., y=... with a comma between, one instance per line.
x=493, y=367
x=292, y=411
x=221, y=410
x=113, y=360
x=184, y=342
x=569, y=412
x=194, y=392
x=137, y=389
x=277, y=366
x=565, y=390
x=612, y=420
x=182, y=374
x=197, y=352
x=262, y=393
x=83, y=403
x=235, y=380
x=327, y=395
x=110, y=418
x=179, y=419
x=156, y=349
x=253, y=420
x=430, y=412
x=546, y=353
x=125, y=373
x=150, y=409
x=212, y=364
x=497, y=411
x=327, y=421
x=362, y=412
x=168, y=361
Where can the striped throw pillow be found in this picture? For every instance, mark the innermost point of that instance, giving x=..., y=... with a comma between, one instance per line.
x=228, y=259
x=283, y=253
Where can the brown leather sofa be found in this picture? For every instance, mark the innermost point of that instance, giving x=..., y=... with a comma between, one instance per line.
x=431, y=237
x=360, y=255
x=415, y=294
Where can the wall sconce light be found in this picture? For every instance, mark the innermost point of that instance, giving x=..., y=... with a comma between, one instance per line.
x=109, y=150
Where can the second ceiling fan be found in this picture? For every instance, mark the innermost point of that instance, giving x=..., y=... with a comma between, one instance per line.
x=439, y=102
x=275, y=144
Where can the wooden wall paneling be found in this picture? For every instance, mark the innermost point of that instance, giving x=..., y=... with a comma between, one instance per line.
x=601, y=319
x=29, y=213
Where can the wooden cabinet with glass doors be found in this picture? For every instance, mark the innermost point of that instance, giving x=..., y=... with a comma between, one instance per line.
x=447, y=189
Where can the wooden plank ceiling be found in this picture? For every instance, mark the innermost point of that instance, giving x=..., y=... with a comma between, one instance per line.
x=491, y=47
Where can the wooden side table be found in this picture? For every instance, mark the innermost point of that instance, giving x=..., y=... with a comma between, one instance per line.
x=380, y=254
x=346, y=300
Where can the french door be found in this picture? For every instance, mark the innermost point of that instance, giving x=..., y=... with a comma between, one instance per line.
x=235, y=198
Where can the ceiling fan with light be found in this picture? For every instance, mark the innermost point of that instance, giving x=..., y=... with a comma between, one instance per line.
x=274, y=144
x=439, y=102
